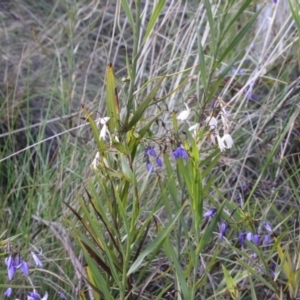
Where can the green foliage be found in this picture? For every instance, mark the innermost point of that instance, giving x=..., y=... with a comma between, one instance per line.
x=117, y=221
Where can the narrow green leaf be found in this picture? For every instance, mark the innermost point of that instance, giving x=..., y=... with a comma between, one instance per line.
x=143, y=106
x=153, y=19
x=156, y=242
x=129, y=175
x=128, y=12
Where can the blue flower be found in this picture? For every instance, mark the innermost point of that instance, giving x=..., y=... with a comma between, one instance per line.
x=242, y=238
x=8, y=292
x=36, y=259
x=267, y=240
x=223, y=229
x=249, y=236
x=62, y=296
x=149, y=167
x=180, y=152
x=210, y=213
x=267, y=226
x=11, y=266
x=36, y=296
x=24, y=268
x=256, y=239
x=150, y=151
x=159, y=162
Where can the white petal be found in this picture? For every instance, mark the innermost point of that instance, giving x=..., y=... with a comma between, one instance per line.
x=103, y=132
x=183, y=115
x=194, y=127
x=96, y=160
x=102, y=120
x=221, y=143
x=187, y=107
x=227, y=140
x=212, y=122
x=45, y=296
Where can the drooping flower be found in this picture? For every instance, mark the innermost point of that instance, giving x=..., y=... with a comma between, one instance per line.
x=267, y=240
x=62, y=296
x=249, y=236
x=210, y=213
x=267, y=226
x=36, y=259
x=159, y=162
x=149, y=167
x=180, y=152
x=212, y=122
x=184, y=114
x=150, y=151
x=96, y=160
x=256, y=239
x=242, y=238
x=11, y=267
x=225, y=142
x=24, y=268
x=223, y=229
x=194, y=128
x=8, y=292
x=36, y=296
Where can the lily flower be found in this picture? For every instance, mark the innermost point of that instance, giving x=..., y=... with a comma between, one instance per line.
x=96, y=160
x=210, y=213
x=36, y=259
x=184, y=114
x=8, y=292
x=212, y=122
x=225, y=142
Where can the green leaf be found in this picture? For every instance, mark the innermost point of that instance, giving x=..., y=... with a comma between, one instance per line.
x=143, y=106
x=153, y=19
x=129, y=175
x=155, y=243
x=231, y=284
x=128, y=13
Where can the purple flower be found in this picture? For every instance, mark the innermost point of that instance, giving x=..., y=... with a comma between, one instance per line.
x=256, y=239
x=249, y=236
x=159, y=162
x=33, y=296
x=210, y=213
x=275, y=1
x=180, y=152
x=267, y=240
x=11, y=266
x=149, y=167
x=8, y=292
x=36, y=296
x=61, y=295
x=24, y=268
x=248, y=92
x=242, y=238
x=36, y=259
x=150, y=151
x=223, y=229
x=267, y=226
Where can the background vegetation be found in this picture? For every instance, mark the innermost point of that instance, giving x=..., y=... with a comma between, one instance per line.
x=136, y=223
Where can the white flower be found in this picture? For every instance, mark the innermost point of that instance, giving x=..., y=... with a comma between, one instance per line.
x=103, y=132
x=195, y=129
x=184, y=114
x=96, y=160
x=102, y=121
x=225, y=142
x=212, y=122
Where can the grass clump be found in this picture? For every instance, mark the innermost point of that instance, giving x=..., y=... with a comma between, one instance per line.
x=176, y=174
